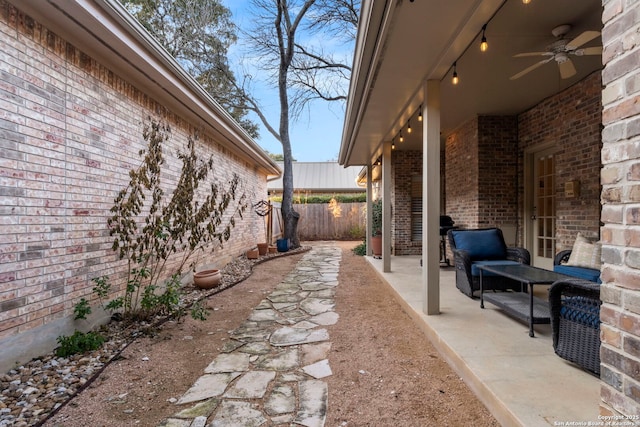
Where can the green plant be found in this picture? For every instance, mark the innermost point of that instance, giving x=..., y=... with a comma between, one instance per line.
x=325, y=198
x=199, y=311
x=356, y=232
x=77, y=343
x=361, y=249
x=82, y=309
x=192, y=220
x=376, y=218
x=169, y=302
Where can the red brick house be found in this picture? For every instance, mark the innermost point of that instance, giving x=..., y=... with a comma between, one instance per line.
x=78, y=80
x=523, y=140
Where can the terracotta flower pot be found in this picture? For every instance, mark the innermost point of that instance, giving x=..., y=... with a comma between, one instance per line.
x=262, y=248
x=376, y=246
x=273, y=249
x=252, y=254
x=207, y=279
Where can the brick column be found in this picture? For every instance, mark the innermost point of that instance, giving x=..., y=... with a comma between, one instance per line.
x=620, y=177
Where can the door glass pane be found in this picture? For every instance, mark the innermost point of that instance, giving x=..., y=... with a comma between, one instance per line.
x=545, y=207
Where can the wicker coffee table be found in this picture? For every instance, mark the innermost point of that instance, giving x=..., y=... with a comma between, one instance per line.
x=521, y=305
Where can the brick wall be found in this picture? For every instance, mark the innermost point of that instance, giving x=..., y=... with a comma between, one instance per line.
x=70, y=130
x=461, y=175
x=620, y=291
x=497, y=172
x=481, y=173
x=571, y=122
x=406, y=165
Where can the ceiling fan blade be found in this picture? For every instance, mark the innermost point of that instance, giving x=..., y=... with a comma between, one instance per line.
x=529, y=69
x=567, y=69
x=583, y=38
x=522, y=55
x=596, y=50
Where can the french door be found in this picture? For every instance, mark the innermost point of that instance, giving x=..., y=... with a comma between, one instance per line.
x=541, y=201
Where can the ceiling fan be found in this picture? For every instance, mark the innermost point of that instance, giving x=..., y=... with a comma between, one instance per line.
x=560, y=51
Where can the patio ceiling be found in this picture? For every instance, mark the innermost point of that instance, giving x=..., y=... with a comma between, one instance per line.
x=402, y=44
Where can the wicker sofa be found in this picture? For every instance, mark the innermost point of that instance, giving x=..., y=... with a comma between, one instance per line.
x=575, y=322
x=560, y=266
x=483, y=246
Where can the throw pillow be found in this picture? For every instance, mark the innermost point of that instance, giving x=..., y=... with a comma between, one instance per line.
x=585, y=253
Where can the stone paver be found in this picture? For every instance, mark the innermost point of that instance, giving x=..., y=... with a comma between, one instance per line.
x=318, y=370
x=231, y=362
x=207, y=386
x=313, y=403
x=252, y=385
x=294, y=336
x=279, y=355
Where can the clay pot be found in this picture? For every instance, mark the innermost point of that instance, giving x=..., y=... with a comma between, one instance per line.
x=262, y=248
x=273, y=249
x=376, y=246
x=207, y=279
x=252, y=254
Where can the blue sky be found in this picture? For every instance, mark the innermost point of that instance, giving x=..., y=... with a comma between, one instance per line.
x=315, y=136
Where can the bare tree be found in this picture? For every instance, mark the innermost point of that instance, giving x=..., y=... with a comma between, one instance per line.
x=198, y=34
x=287, y=39
x=293, y=42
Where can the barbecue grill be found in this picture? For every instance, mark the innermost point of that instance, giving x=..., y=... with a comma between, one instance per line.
x=446, y=224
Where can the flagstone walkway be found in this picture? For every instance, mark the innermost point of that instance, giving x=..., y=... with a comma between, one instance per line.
x=271, y=370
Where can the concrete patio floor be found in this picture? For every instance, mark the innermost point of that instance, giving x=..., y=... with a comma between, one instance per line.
x=520, y=379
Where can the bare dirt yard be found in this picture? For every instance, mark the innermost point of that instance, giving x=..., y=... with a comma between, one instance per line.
x=385, y=371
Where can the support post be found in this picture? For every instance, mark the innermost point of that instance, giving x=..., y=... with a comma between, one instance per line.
x=386, y=206
x=431, y=199
x=369, y=214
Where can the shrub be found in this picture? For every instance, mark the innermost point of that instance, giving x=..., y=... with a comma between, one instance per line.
x=325, y=198
x=191, y=220
x=361, y=249
x=78, y=343
x=376, y=217
x=357, y=232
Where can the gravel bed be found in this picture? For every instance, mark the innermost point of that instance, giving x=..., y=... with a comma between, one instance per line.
x=34, y=391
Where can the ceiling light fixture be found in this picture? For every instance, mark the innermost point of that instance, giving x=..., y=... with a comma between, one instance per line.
x=408, y=126
x=420, y=114
x=401, y=137
x=393, y=144
x=526, y=1
x=455, y=80
x=483, y=44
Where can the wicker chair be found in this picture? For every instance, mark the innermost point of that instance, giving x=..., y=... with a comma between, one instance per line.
x=574, y=305
x=474, y=247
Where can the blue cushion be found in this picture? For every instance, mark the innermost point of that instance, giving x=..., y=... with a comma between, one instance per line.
x=480, y=244
x=580, y=272
x=475, y=271
x=584, y=311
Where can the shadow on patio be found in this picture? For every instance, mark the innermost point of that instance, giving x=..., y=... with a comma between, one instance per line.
x=520, y=379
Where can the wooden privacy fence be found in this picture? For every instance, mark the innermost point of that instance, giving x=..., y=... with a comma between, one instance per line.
x=327, y=221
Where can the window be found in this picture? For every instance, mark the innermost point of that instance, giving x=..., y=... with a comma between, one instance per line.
x=416, y=208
